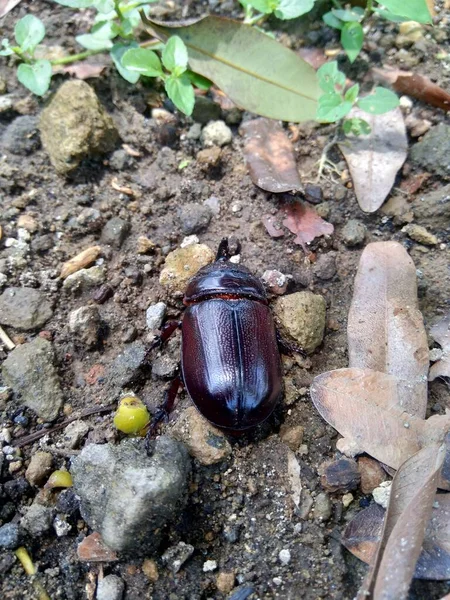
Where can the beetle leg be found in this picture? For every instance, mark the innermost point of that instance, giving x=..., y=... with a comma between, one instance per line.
x=164, y=410
x=288, y=348
x=223, y=251
x=166, y=331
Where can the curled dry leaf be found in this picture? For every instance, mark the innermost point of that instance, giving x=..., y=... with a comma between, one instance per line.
x=363, y=533
x=441, y=333
x=270, y=156
x=272, y=225
x=305, y=223
x=81, y=71
x=415, y=85
x=385, y=327
x=409, y=510
x=80, y=261
x=374, y=159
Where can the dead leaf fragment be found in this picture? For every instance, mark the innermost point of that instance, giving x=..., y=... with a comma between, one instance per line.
x=270, y=157
x=305, y=223
x=374, y=159
x=272, y=226
x=441, y=333
x=6, y=6
x=80, y=261
x=415, y=85
x=385, y=327
x=94, y=549
x=81, y=70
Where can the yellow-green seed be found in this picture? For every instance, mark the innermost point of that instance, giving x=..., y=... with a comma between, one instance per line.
x=25, y=560
x=131, y=416
x=59, y=479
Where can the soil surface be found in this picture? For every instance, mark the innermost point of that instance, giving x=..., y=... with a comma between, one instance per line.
x=238, y=512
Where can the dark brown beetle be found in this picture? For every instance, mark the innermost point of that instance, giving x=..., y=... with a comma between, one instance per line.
x=230, y=361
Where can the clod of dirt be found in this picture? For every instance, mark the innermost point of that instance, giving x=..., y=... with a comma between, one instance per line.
x=10, y=536
x=205, y=110
x=21, y=136
x=175, y=556
x=204, y=442
x=39, y=468
x=115, y=232
x=127, y=367
x=433, y=207
x=37, y=520
x=194, y=217
x=110, y=587
x=322, y=507
x=353, y=233
x=302, y=319
x=29, y=370
x=340, y=475
x=75, y=126
x=292, y=436
x=84, y=279
x=127, y=495
x=182, y=264
x=24, y=308
x=216, y=133
x=433, y=151
x=420, y=234
x=325, y=266
x=84, y=323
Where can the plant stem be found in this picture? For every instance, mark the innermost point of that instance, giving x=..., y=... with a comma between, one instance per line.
x=65, y=60
x=256, y=20
x=369, y=6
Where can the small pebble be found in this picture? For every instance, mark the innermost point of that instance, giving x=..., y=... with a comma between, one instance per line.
x=115, y=232
x=110, y=587
x=150, y=569
x=39, y=468
x=154, y=315
x=216, y=133
x=94, y=549
x=420, y=234
x=84, y=323
x=381, y=493
x=275, y=281
x=347, y=499
x=284, y=556
x=188, y=240
x=322, y=507
x=10, y=537
x=225, y=581
x=37, y=520
x=194, y=217
x=175, y=556
x=209, y=565
x=353, y=233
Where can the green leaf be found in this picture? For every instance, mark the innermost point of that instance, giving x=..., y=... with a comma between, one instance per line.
x=264, y=6
x=199, y=81
x=181, y=92
x=332, y=108
x=29, y=32
x=35, y=77
x=389, y=16
x=330, y=77
x=352, y=38
x=379, y=101
x=76, y=3
x=256, y=72
x=415, y=10
x=116, y=53
x=331, y=20
x=356, y=126
x=100, y=37
x=87, y=40
x=143, y=61
x=103, y=6
x=175, y=55
x=354, y=14
x=291, y=9
x=352, y=93
x=7, y=50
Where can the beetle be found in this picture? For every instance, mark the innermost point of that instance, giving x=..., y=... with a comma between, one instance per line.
x=230, y=358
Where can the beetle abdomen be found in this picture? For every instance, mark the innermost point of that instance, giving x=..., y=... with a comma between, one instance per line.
x=231, y=364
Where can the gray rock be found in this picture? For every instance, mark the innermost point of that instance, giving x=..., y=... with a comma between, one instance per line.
x=216, y=133
x=24, y=308
x=126, y=495
x=175, y=556
x=74, y=126
x=127, y=366
x=206, y=110
x=164, y=367
x=433, y=151
x=195, y=131
x=353, y=233
x=84, y=279
x=21, y=136
x=120, y=160
x=110, y=587
x=434, y=205
x=37, y=520
x=29, y=370
x=322, y=507
x=10, y=537
x=325, y=266
x=84, y=323
x=115, y=232
x=154, y=315
x=194, y=217
x=301, y=317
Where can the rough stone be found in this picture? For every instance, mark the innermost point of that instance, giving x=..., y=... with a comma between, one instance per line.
x=182, y=264
x=37, y=520
x=285, y=556
x=292, y=436
x=209, y=565
x=75, y=126
x=204, y=442
x=420, y=234
x=21, y=136
x=175, y=556
x=275, y=281
x=302, y=318
x=216, y=133
x=433, y=151
x=164, y=367
x=150, y=568
x=84, y=279
x=110, y=587
x=322, y=507
x=341, y=475
x=382, y=493
x=126, y=495
x=372, y=474
x=10, y=536
x=39, y=468
x=154, y=315
x=74, y=434
x=127, y=367
x=353, y=233
x=94, y=549
x=434, y=205
x=115, y=232
x=24, y=308
x=225, y=581
x=85, y=323
x=325, y=266
x=29, y=370
x=194, y=217
x=205, y=110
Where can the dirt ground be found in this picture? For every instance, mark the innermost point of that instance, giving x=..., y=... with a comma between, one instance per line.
x=238, y=512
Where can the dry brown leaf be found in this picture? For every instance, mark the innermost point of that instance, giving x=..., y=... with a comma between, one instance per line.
x=82, y=70
x=363, y=533
x=385, y=327
x=272, y=225
x=441, y=333
x=314, y=56
x=81, y=260
x=270, y=157
x=6, y=6
x=305, y=223
x=374, y=160
x=221, y=99
x=415, y=85
x=409, y=510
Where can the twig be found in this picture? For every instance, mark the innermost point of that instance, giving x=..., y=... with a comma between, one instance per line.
x=4, y=337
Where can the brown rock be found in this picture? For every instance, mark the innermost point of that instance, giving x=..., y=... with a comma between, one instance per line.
x=292, y=436
x=150, y=569
x=372, y=474
x=94, y=549
x=225, y=581
x=39, y=468
x=340, y=475
x=182, y=264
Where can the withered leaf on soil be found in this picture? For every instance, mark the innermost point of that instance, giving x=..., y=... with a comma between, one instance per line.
x=272, y=226
x=270, y=156
x=409, y=510
x=374, y=159
x=82, y=70
x=415, y=85
x=385, y=327
x=363, y=533
x=6, y=6
x=441, y=333
x=305, y=223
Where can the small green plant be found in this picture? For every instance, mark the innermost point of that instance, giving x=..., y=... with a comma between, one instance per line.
x=281, y=9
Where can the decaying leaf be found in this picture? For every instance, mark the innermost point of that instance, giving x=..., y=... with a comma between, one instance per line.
x=374, y=159
x=409, y=510
x=415, y=85
x=270, y=156
x=272, y=225
x=441, y=333
x=6, y=6
x=81, y=70
x=363, y=533
x=305, y=223
x=385, y=327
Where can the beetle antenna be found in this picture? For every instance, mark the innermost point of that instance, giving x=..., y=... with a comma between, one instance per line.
x=223, y=251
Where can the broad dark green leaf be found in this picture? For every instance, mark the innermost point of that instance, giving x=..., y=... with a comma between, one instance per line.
x=175, y=56
x=255, y=72
x=332, y=108
x=329, y=77
x=116, y=53
x=35, y=77
x=181, y=92
x=331, y=20
x=416, y=10
x=143, y=61
x=291, y=9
